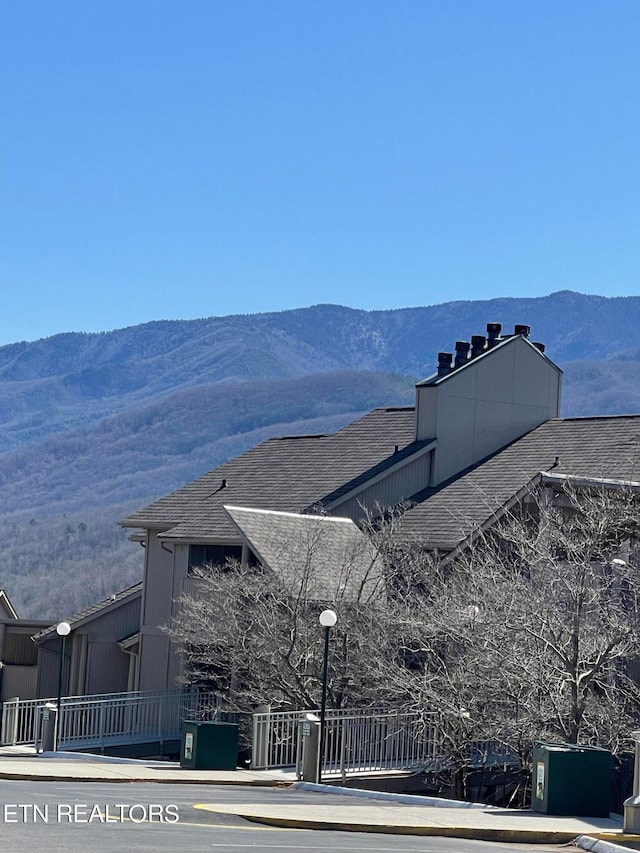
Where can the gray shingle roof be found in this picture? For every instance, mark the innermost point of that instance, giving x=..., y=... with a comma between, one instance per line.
x=294, y=474
x=607, y=447
x=94, y=610
x=285, y=474
x=320, y=557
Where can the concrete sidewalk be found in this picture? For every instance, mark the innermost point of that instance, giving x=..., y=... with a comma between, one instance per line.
x=401, y=819
x=337, y=808
x=20, y=763
x=406, y=815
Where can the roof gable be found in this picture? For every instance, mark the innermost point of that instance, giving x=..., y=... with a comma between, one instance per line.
x=507, y=341
x=320, y=558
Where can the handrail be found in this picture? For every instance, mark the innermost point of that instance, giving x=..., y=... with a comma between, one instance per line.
x=104, y=718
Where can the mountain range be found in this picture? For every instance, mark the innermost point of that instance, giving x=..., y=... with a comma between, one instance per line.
x=93, y=425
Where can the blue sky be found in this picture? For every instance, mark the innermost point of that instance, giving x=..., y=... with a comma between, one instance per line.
x=167, y=160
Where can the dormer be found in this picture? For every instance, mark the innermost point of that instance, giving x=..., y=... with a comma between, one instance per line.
x=494, y=390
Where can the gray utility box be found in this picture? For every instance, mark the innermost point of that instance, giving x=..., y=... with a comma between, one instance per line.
x=48, y=722
x=310, y=769
x=570, y=779
x=209, y=746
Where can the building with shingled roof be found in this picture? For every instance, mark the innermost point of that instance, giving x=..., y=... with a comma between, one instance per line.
x=484, y=432
x=101, y=649
x=484, y=428
x=18, y=656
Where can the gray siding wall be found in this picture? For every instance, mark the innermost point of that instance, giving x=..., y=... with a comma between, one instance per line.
x=399, y=485
x=489, y=403
x=159, y=664
x=94, y=662
x=158, y=583
x=48, y=668
x=156, y=611
x=107, y=668
x=18, y=681
x=181, y=567
x=18, y=647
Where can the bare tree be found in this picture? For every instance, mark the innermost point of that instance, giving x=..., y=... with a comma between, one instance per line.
x=252, y=630
x=530, y=631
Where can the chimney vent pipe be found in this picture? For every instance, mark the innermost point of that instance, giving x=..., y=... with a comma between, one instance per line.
x=522, y=330
x=478, y=343
x=462, y=353
x=493, y=333
x=444, y=363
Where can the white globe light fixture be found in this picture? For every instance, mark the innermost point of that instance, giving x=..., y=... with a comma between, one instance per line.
x=63, y=629
x=328, y=618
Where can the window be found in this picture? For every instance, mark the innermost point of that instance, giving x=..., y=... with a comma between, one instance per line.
x=216, y=555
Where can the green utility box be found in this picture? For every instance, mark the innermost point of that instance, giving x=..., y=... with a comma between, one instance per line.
x=209, y=746
x=570, y=779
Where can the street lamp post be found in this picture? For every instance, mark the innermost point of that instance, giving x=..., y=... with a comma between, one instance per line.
x=62, y=630
x=328, y=619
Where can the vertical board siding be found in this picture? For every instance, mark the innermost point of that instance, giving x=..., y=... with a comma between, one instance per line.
x=407, y=480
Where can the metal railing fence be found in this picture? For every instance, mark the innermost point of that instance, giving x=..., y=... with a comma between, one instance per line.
x=19, y=721
x=355, y=740
x=382, y=741
x=109, y=718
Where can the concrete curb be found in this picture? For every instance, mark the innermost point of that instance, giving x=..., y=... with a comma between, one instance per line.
x=522, y=836
x=600, y=842
x=408, y=799
x=494, y=834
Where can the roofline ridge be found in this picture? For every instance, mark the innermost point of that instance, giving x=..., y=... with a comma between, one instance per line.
x=391, y=409
x=279, y=512
x=599, y=417
x=292, y=437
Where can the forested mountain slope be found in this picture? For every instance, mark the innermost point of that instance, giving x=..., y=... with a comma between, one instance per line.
x=92, y=425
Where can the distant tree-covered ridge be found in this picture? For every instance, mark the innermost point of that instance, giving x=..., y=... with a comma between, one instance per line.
x=93, y=422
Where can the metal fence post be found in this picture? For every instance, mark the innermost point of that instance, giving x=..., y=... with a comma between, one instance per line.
x=160, y=721
x=343, y=752
x=101, y=726
x=260, y=738
x=10, y=722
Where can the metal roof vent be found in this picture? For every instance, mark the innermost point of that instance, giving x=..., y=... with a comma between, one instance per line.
x=478, y=343
x=444, y=363
x=493, y=334
x=462, y=353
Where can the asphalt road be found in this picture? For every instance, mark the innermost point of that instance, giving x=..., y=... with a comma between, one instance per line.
x=46, y=817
